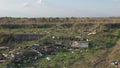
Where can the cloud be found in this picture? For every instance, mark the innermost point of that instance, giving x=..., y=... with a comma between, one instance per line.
x=26, y=4
x=30, y=4
x=39, y=1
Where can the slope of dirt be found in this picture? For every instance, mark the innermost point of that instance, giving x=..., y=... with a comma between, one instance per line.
x=104, y=60
x=115, y=54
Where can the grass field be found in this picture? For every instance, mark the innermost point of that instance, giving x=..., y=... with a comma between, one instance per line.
x=101, y=46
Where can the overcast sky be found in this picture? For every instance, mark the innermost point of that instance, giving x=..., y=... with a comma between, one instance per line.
x=59, y=8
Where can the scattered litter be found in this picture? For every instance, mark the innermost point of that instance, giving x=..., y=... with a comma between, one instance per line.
x=115, y=63
x=4, y=55
x=12, y=55
x=36, y=44
x=112, y=63
x=4, y=48
x=36, y=57
x=53, y=37
x=92, y=33
x=87, y=39
x=48, y=58
x=72, y=51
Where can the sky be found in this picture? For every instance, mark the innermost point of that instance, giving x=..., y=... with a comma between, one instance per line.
x=59, y=8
